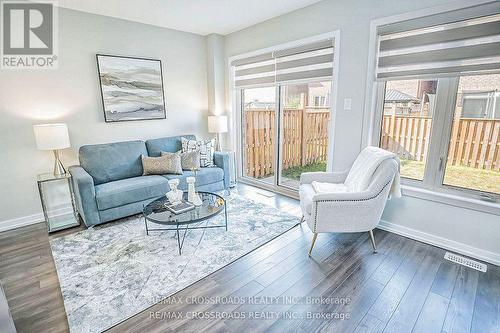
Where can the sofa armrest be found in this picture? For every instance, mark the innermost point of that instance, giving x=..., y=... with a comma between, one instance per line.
x=326, y=177
x=83, y=185
x=221, y=159
x=348, y=212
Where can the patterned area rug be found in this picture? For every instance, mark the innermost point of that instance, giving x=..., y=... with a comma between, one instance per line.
x=111, y=272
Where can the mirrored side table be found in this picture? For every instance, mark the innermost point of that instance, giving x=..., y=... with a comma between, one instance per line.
x=58, y=203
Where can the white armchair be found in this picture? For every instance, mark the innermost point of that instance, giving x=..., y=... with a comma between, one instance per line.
x=352, y=201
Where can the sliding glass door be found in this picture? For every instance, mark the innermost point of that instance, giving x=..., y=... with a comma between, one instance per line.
x=284, y=98
x=258, y=115
x=284, y=132
x=304, y=117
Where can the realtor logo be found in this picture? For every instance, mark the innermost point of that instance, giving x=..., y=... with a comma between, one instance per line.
x=28, y=35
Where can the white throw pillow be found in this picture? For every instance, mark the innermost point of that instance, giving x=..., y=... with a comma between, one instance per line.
x=206, y=148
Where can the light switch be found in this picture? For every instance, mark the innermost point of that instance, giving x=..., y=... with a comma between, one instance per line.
x=347, y=104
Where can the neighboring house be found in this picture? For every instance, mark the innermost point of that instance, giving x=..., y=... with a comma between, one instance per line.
x=398, y=102
x=256, y=104
x=480, y=104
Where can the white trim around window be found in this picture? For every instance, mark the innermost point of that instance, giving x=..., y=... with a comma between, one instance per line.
x=432, y=187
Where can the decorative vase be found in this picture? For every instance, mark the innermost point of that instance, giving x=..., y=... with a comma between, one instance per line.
x=192, y=196
x=174, y=196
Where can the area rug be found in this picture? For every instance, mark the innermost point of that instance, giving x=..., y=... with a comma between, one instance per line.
x=111, y=272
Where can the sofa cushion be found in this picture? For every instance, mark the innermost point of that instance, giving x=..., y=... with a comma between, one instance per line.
x=166, y=163
x=204, y=176
x=170, y=144
x=113, y=161
x=125, y=191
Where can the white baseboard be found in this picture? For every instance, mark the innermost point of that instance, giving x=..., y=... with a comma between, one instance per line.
x=21, y=222
x=448, y=244
x=32, y=219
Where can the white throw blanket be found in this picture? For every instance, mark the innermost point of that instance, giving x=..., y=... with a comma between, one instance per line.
x=328, y=187
x=361, y=174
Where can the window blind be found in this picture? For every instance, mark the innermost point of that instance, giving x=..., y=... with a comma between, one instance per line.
x=303, y=62
x=450, y=43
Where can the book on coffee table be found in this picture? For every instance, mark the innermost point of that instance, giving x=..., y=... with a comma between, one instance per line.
x=179, y=208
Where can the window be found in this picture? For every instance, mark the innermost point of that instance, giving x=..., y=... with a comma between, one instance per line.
x=470, y=159
x=473, y=159
x=407, y=123
x=479, y=104
x=438, y=100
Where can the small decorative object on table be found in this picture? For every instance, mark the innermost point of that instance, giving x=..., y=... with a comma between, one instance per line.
x=180, y=207
x=192, y=196
x=195, y=172
x=174, y=195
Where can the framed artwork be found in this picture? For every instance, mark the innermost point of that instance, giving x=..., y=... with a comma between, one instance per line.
x=131, y=88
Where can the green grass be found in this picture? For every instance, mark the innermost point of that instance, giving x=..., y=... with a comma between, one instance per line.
x=294, y=172
x=412, y=169
x=457, y=175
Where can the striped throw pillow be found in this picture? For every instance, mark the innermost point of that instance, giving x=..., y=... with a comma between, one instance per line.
x=206, y=148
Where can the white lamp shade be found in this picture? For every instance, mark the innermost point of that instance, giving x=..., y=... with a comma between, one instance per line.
x=51, y=136
x=217, y=124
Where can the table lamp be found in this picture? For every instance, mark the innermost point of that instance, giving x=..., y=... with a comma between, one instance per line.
x=52, y=137
x=217, y=124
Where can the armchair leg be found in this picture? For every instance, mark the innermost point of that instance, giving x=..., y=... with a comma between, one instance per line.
x=313, y=241
x=373, y=241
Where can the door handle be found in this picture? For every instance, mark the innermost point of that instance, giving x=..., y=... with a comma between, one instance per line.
x=441, y=163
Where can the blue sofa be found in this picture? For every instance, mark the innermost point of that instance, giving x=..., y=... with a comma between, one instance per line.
x=109, y=184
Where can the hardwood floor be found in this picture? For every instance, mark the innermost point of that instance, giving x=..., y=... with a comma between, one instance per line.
x=29, y=277
x=407, y=286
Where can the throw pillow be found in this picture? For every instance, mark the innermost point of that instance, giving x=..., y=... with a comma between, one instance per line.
x=206, y=148
x=164, y=164
x=189, y=160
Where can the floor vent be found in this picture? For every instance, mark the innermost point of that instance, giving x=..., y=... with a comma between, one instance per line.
x=465, y=261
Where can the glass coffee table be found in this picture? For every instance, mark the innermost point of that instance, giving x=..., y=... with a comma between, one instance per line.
x=156, y=213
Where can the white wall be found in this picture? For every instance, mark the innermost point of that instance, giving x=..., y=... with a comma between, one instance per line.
x=71, y=95
x=450, y=226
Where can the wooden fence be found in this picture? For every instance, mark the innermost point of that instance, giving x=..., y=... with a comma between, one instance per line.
x=474, y=142
x=304, y=139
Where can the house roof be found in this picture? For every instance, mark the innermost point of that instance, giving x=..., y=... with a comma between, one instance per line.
x=393, y=95
x=259, y=105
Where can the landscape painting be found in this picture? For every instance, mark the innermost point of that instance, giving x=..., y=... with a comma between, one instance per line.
x=131, y=88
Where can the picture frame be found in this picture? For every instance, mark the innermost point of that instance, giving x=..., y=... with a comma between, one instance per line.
x=131, y=88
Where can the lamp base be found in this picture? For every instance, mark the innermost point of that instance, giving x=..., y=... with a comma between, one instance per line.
x=59, y=169
x=217, y=142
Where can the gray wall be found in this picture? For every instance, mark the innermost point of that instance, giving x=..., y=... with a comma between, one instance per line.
x=71, y=95
x=450, y=226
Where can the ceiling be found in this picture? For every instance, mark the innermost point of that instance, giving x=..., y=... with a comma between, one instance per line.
x=197, y=16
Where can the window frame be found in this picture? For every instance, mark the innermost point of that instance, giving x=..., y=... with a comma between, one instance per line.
x=444, y=194
x=432, y=185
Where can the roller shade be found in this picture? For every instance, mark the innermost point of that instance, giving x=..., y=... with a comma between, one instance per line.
x=303, y=62
x=464, y=41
